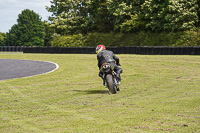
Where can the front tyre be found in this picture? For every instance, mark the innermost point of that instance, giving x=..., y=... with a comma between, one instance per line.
x=110, y=84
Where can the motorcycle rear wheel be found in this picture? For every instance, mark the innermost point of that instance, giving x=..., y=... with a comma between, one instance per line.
x=110, y=84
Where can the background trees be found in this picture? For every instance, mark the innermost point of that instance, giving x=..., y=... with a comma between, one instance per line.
x=69, y=16
x=126, y=15
x=12, y=36
x=170, y=15
x=3, y=39
x=89, y=19
x=82, y=16
x=29, y=31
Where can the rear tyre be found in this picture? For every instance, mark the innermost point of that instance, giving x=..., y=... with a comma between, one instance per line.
x=110, y=84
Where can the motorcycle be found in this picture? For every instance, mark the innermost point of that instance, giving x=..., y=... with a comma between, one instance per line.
x=110, y=78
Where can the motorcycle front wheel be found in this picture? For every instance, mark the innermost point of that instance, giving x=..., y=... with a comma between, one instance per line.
x=110, y=84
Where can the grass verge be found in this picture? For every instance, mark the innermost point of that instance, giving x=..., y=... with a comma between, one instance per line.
x=158, y=94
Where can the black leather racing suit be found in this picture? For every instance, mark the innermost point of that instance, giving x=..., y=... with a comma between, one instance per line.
x=106, y=56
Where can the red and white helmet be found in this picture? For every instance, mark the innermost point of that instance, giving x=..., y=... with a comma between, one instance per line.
x=99, y=48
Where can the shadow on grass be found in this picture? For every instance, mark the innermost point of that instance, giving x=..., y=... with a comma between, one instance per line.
x=93, y=91
x=96, y=91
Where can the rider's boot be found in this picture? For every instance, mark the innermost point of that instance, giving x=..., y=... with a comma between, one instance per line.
x=104, y=83
x=119, y=77
x=118, y=74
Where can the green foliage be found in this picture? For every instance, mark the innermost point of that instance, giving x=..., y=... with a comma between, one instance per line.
x=92, y=39
x=79, y=16
x=142, y=38
x=3, y=38
x=188, y=38
x=101, y=17
x=12, y=36
x=135, y=24
x=170, y=15
x=198, y=12
x=68, y=41
x=69, y=16
x=137, y=39
x=49, y=34
x=126, y=16
x=29, y=31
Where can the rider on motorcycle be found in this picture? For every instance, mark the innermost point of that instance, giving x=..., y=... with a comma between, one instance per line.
x=106, y=56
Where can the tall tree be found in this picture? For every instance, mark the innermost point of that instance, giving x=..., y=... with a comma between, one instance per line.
x=29, y=31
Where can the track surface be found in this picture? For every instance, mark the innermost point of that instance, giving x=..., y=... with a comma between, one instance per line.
x=12, y=68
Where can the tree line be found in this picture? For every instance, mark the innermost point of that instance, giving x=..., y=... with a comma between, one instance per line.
x=74, y=22
x=126, y=16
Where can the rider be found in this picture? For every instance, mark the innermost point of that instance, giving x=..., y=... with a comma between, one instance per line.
x=106, y=56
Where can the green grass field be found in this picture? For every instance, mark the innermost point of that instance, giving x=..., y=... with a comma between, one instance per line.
x=158, y=94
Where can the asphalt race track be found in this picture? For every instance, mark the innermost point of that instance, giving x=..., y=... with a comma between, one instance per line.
x=13, y=68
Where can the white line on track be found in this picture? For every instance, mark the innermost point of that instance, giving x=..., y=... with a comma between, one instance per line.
x=57, y=66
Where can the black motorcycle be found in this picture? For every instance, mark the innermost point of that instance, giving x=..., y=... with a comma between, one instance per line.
x=110, y=78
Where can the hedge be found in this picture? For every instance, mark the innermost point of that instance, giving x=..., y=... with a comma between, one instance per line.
x=143, y=38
